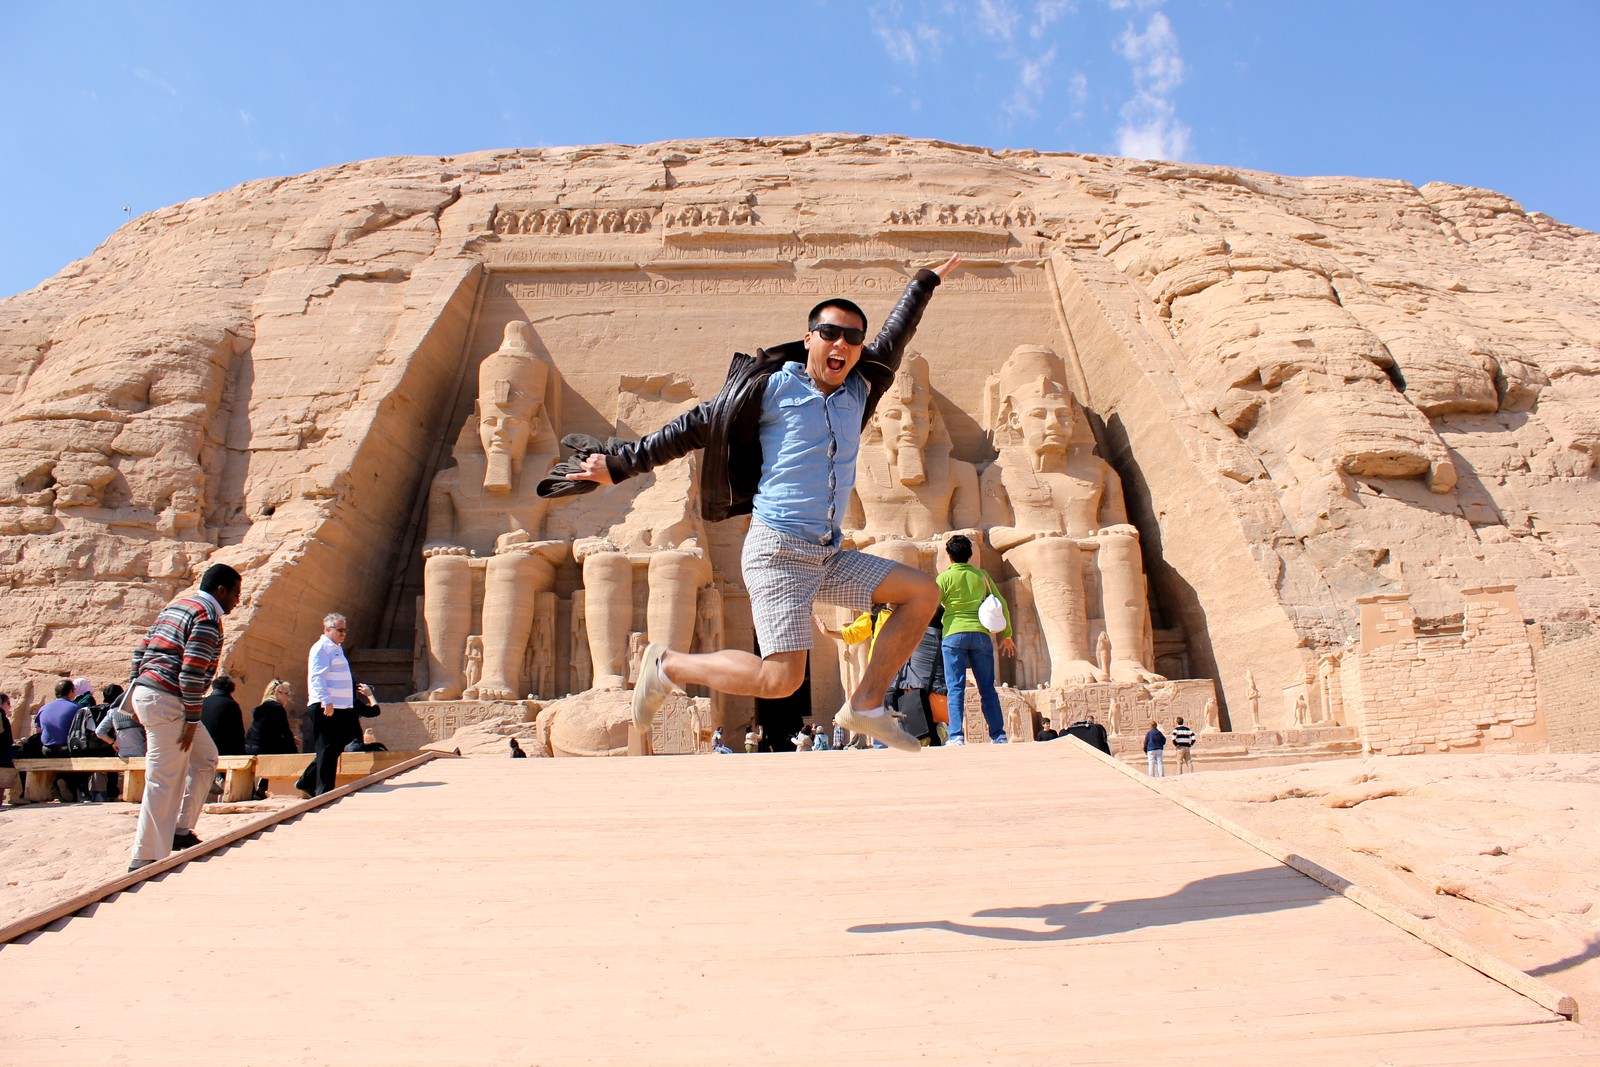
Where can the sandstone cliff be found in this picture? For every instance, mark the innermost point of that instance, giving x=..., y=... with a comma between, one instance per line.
x=1313, y=389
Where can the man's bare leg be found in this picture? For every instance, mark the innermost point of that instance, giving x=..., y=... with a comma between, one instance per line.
x=914, y=597
x=738, y=673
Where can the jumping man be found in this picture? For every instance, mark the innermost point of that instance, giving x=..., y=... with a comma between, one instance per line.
x=779, y=442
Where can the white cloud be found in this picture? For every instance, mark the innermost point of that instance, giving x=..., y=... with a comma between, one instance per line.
x=906, y=42
x=1047, y=11
x=1150, y=126
x=1033, y=77
x=997, y=19
x=245, y=118
x=144, y=74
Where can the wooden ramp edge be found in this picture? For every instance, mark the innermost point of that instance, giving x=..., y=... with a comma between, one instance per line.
x=1518, y=981
x=29, y=923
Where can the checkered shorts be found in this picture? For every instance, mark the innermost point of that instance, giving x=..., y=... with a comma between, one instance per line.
x=786, y=575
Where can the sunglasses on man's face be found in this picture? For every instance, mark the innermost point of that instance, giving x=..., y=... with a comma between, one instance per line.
x=829, y=332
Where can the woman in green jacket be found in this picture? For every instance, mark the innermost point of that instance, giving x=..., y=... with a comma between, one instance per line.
x=967, y=642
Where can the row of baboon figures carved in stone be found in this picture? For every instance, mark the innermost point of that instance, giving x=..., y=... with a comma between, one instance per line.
x=558, y=220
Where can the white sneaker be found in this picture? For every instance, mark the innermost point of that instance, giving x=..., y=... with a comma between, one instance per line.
x=955, y=742
x=878, y=727
x=649, y=691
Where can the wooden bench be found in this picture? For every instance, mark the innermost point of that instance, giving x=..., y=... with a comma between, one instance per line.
x=282, y=771
x=239, y=775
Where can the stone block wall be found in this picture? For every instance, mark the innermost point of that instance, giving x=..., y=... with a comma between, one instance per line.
x=1448, y=687
x=1566, y=674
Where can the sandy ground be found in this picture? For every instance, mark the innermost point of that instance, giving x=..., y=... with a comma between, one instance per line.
x=52, y=852
x=1502, y=851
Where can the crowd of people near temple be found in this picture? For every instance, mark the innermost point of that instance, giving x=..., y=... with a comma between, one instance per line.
x=181, y=716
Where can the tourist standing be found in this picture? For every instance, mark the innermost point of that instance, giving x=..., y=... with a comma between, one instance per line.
x=334, y=710
x=779, y=441
x=1155, y=743
x=967, y=643
x=1183, y=740
x=171, y=669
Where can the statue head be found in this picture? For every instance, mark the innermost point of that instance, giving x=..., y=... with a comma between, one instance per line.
x=905, y=419
x=1036, y=409
x=511, y=388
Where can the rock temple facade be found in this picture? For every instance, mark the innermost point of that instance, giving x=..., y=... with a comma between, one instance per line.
x=1270, y=453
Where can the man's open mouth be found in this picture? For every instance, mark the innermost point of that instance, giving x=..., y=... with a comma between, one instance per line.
x=835, y=364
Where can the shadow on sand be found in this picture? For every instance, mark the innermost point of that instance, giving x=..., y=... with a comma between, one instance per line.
x=1244, y=893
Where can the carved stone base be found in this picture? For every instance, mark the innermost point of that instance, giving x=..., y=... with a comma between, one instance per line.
x=414, y=723
x=597, y=723
x=1119, y=707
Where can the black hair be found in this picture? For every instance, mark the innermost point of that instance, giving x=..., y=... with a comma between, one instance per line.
x=223, y=683
x=958, y=548
x=65, y=689
x=836, y=302
x=219, y=576
x=111, y=692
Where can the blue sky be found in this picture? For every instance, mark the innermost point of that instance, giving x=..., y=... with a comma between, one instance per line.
x=141, y=105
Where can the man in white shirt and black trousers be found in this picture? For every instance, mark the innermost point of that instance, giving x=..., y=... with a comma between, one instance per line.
x=337, y=706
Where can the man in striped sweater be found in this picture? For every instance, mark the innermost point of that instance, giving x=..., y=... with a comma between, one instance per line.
x=1184, y=738
x=172, y=667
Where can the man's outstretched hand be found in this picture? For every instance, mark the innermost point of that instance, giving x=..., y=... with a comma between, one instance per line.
x=943, y=270
x=594, y=470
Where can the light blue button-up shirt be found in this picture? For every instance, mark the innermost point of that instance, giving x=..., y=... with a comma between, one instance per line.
x=809, y=444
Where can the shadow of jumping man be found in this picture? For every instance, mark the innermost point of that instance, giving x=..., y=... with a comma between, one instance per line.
x=1255, y=892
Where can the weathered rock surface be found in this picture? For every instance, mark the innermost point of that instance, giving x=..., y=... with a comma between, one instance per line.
x=1501, y=852
x=1312, y=389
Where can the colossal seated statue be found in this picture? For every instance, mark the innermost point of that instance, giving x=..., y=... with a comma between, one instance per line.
x=484, y=519
x=1052, y=508
x=910, y=492
x=661, y=536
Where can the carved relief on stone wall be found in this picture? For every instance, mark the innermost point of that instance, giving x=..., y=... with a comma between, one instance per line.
x=483, y=528
x=962, y=215
x=1054, y=510
x=690, y=216
x=557, y=221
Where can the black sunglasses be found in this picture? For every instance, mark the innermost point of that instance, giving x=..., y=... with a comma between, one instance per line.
x=829, y=332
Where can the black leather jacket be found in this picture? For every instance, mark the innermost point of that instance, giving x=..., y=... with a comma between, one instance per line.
x=727, y=427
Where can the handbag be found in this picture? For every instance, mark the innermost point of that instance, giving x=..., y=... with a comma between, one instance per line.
x=991, y=612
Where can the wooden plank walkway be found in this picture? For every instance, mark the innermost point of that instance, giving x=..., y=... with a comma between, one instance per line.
x=1021, y=904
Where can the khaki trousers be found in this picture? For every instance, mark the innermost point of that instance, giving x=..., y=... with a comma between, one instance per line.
x=175, y=782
